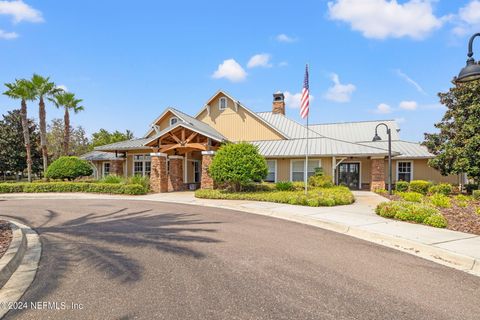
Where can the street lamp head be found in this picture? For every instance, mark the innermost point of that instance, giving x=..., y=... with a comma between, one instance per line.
x=469, y=73
x=376, y=137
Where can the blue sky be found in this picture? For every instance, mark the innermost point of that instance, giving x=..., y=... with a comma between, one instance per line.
x=371, y=59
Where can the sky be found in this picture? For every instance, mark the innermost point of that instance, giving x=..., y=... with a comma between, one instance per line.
x=128, y=61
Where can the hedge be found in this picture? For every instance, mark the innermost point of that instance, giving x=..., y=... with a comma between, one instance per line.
x=319, y=197
x=132, y=189
x=411, y=211
x=420, y=186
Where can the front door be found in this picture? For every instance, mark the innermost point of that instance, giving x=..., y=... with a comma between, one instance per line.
x=349, y=175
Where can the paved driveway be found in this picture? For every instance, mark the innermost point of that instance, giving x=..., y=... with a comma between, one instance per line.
x=150, y=260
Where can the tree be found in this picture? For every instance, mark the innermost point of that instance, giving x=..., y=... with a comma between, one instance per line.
x=43, y=88
x=78, y=143
x=67, y=101
x=69, y=168
x=238, y=165
x=103, y=137
x=457, y=145
x=23, y=90
x=13, y=158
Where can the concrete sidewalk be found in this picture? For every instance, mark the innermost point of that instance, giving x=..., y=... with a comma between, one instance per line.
x=451, y=248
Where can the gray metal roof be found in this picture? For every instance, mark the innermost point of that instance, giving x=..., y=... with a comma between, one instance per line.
x=98, y=156
x=198, y=125
x=362, y=131
x=288, y=127
x=317, y=147
x=124, y=145
x=406, y=149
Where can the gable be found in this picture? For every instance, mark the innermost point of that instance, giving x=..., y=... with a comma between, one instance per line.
x=236, y=122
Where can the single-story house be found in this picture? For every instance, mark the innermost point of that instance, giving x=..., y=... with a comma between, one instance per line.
x=177, y=148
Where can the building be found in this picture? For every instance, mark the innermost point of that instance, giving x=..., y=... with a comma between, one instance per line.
x=177, y=148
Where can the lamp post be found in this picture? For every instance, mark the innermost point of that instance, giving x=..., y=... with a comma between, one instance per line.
x=377, y=138
x=472, y=70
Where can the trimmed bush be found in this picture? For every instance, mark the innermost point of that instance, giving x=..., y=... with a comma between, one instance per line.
x=316, y=197
x=133, y=189
x=442, y=188
x=284, y=186
x=320, y=181
x=402, y=186
x=420, y=186
x=476, y=194
x=69, y=168
x=411, y=211
x=410, y=196
x=441, y=201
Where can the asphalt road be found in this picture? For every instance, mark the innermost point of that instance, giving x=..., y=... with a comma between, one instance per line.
x=150, y=260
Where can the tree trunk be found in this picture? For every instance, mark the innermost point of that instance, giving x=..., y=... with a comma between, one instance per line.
x=26, y=137
x=43, y=134
x=66, y=132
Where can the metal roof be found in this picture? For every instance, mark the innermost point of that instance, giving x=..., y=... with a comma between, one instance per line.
x=317, y=147
x=406, y=149
x=290, y=128
x=362, y=131
x=124, y=145
x=99, y=156
x=198, y=125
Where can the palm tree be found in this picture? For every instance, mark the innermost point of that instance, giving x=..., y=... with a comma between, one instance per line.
x=23, y=90
x=43, y=88
x=67, y=101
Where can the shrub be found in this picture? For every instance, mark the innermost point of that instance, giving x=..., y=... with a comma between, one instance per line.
x=436, y=220
x=402, y=186
x=11, y=187
x=411, y=211
x=69, y=168
x=420, y=186
x=133, y=189
x=298, y=185
x=410, y=196
x=380, y=191
x=440, y=200
x=320, y=181
x=138, y=179
x=112, y=179
x=476, y=194
x=238, y=164
x=462, y=200
x=477, y=211
x=442, y=188
x=284, y=186
x=470, y=187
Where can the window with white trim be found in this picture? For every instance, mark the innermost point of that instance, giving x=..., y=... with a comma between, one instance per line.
x=106, y=168
x=404, y=171
x=272, y=171
x=298, y=169
x=173, y=120
x=141, y=165
x=222, y=103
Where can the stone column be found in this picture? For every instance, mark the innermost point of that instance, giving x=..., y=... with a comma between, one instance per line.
x=175, y=175
x=206, y=181
x=378, y=174
x=158, y=173
x=117, y=167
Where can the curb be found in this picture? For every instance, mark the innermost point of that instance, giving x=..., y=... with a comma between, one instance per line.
x=18, y=265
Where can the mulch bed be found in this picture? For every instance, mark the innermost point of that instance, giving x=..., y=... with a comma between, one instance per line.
x=463, y=219
x=5, y=236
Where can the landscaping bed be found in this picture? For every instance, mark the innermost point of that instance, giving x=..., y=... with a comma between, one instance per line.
x=98, y=187
x=5, y=236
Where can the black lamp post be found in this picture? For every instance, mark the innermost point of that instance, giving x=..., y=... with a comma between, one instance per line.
x=377, y=138
x=472, y=70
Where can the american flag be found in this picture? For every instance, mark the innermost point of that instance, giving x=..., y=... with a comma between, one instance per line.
x=304, y=103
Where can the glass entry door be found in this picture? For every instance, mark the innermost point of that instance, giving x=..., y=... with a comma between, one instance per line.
x=349, y=175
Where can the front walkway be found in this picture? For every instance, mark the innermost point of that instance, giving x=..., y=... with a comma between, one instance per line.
x=455, y=249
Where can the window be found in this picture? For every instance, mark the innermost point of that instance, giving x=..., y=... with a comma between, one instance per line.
x=106, y=168
x=196, y=171
x=272, y=171
x=222, y=103
x=173, y=120
x=404, y=171
x=141, y=165
x=298, y=166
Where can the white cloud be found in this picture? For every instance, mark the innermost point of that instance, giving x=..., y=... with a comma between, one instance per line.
x=470, y=13
x=284, y=38
x=383, y=108
x=292, y=100
x=380, y=19
x=231, y=70
x=63, y=87
x=408, y=105
x=20, y=11
x=259, y=60
x=339, y=92
x=410, y=81
x=8, y=35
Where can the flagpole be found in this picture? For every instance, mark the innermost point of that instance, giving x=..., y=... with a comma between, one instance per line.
x=306, y=145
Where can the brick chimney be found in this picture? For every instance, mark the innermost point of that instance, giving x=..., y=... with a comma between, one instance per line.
x=278, y=105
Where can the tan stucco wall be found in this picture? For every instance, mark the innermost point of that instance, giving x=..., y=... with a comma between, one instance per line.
x=283, y=167
x=422, y=171
x=237, y=125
